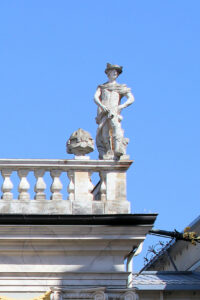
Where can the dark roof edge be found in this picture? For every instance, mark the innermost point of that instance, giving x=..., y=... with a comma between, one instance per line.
x=109, y=219
x=169, y=246
x=166, y=273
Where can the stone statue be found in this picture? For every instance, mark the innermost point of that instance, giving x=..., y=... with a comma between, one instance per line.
x=110, y=140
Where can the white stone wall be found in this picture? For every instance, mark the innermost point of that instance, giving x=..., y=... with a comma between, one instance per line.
x=34, y=258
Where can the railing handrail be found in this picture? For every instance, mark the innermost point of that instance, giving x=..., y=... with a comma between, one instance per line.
x=65, y=164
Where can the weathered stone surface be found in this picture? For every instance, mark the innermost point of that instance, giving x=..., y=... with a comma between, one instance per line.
x=116, y=207
x=82, y=196
x=116, y=186
x=82, y=207
x=110, y=139
x=47, y=250
x=80, y=143
x=35, y=207
x=98, y=207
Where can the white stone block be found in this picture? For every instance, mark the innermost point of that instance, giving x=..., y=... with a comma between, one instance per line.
x=35, y=207
x=98, y=207
x=82, y=207
x=116, y=207
x=116, y=186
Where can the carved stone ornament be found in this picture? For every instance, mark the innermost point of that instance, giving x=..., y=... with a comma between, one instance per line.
x=56, y=295
x=110, y=139
x=96, y=293
x=100, y=295
x=80, y=143
x=130, y=295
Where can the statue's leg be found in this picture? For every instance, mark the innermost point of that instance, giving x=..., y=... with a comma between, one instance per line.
x=100, y=144
x=106, y=137
x=103, y=140
x=100, y=147
x=117, y=136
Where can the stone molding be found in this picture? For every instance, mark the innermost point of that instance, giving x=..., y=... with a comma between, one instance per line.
x=65, y=164
x=129, y=295
x=98, y=293
x=63, y=249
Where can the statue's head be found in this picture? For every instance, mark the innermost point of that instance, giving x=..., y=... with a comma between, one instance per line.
x=113, y=71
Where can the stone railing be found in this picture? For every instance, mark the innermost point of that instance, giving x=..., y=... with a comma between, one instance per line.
x=84, y=197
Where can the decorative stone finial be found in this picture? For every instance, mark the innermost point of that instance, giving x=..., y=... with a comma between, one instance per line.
x=110, y=139
x=80, y=143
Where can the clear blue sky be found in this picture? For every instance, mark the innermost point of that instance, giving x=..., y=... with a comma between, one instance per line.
x=53, y=55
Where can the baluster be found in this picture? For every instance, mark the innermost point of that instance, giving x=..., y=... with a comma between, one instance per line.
x=40, y=185
x=7, y=185
x=70, y=188
x=23, y=185
x=56, y=186
x=103, y=186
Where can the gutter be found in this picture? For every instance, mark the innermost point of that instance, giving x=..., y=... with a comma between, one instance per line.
x=108, y=219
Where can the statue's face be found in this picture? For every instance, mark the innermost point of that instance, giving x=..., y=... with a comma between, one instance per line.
x=112, y=74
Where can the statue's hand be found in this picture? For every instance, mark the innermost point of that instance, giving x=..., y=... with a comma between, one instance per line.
x=120, y=107
x=105, y=109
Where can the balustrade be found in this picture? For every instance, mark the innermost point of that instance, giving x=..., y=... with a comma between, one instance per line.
x=83, y=196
